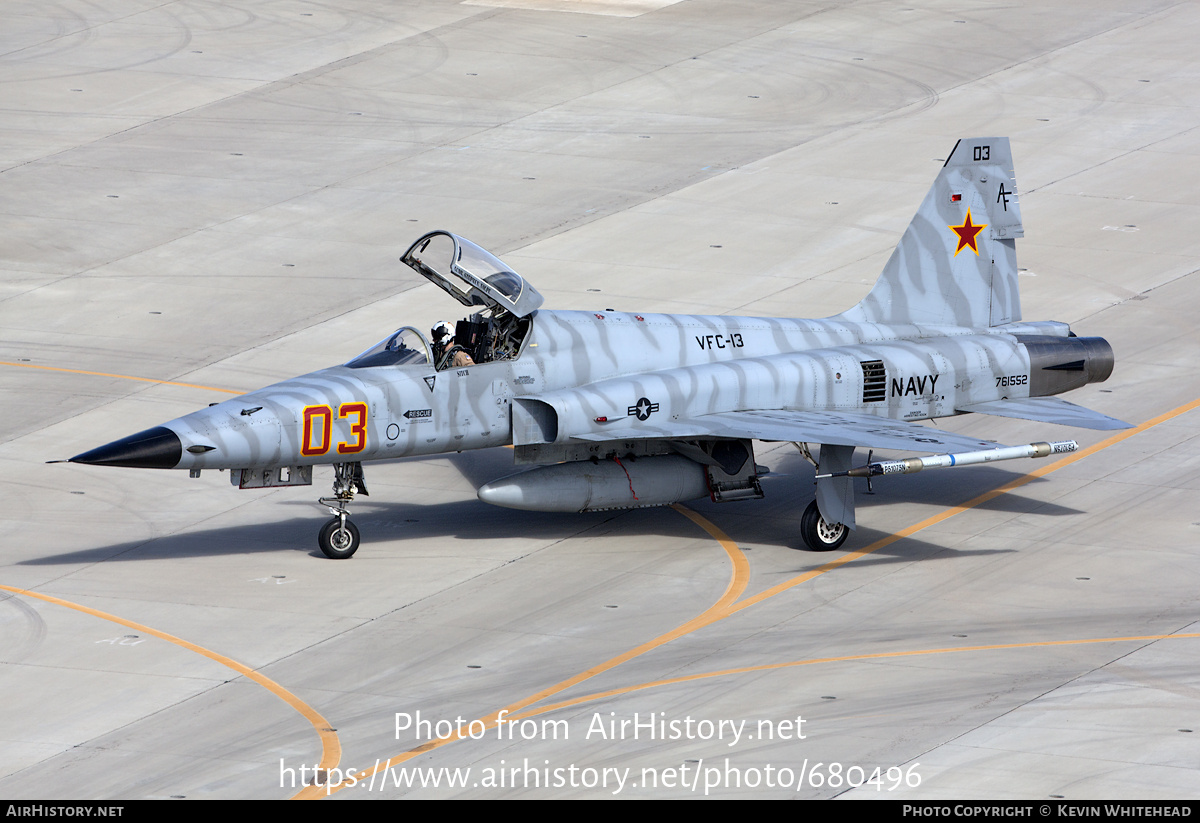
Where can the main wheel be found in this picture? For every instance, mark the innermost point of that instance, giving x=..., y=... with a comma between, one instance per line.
x=819, y=535
x=338, y=542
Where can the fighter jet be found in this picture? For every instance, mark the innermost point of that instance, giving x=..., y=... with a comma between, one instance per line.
x=617, y=410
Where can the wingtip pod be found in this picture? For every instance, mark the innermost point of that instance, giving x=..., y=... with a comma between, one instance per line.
x=956, y=262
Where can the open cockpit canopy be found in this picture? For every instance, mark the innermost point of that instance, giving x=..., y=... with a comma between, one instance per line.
x=470, y=274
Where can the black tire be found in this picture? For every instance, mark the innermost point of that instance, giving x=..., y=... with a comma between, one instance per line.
x=338, y=543
x=819, y=535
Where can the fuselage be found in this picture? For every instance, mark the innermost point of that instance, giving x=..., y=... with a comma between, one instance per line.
x=583, y=394
x=595, y=368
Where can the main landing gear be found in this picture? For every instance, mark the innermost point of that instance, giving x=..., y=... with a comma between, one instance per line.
x=819, y=535
x=338, y=538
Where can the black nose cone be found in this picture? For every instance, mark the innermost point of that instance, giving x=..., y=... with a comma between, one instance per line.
x=157, y=448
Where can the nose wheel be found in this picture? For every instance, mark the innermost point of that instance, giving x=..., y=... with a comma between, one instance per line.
x=339, y=538
x=819, y=535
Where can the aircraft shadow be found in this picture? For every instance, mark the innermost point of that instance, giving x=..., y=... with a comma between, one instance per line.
x=773, y=521
x=381, y=522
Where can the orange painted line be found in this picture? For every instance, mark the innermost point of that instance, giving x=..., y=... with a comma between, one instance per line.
x=739, y=577
x=331, y=747
x=120, y=376
x=671, y=681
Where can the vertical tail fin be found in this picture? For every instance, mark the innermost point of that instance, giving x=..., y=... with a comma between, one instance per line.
x=956, y=263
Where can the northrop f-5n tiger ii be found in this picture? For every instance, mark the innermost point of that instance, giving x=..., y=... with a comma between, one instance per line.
x=612, y=410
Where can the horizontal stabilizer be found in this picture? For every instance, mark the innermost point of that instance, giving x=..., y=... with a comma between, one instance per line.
x=1048, y=410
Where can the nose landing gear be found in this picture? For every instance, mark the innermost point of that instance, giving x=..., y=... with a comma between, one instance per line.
x=339, y=538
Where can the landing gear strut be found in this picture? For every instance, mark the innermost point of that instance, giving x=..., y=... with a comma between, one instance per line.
x=338, y=538
x=819, y=535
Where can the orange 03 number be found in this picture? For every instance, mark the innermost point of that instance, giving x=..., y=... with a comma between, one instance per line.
x=317, y=431
x=325, y=415
x=358, y=429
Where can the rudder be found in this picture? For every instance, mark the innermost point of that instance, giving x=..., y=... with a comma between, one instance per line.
x=956, y=263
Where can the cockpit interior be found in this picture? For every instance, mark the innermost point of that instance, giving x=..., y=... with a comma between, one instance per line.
x=475, y=278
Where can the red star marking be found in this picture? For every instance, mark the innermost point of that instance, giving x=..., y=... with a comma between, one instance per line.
x=967, y=233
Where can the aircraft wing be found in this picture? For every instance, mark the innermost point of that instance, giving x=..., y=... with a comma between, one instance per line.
x=1048, y=410
x=835, y=428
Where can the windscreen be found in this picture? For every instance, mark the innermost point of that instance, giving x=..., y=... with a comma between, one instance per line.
x=402, y=347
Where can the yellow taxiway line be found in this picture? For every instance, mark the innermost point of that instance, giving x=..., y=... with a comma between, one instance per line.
x=119, y=376
x=738, y=579
x=764, y=667
x=946, y=514
x=331, y=747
